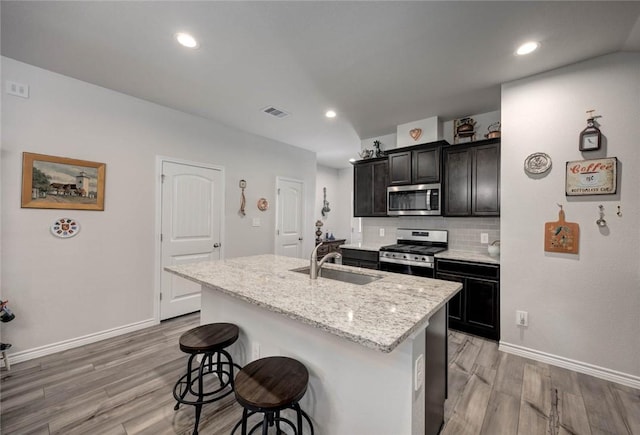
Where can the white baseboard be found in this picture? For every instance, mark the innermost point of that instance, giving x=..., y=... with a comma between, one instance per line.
x=48, y=349
x=578, y=366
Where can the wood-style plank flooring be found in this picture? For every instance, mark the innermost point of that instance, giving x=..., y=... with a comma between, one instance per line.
x=123, y=386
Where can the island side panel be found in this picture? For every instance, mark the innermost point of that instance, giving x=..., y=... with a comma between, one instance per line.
x=352, y=389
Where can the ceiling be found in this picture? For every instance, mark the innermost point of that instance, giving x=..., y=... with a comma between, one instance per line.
x=377, y=64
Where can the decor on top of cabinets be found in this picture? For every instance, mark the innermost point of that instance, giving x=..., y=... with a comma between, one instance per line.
x=263, y=204
x=592, y=177
x=537, y=163
x=493, y=130
x=65, y=228
x=62, y=183
x=325, y=203
x=464, y=130
x=415, y=133
x=243, y=200
x=319, y=225
x=366, y=154
x=591, y=137
x=601, y=222
x=378, y=152
x=561, y=236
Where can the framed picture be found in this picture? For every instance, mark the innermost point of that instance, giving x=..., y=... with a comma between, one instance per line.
x=592, y=177
x=61, y=182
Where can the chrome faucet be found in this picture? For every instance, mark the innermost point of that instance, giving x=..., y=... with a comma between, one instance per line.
x=314, y=266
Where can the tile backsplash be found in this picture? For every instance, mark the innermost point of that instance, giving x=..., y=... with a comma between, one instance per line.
x=464, y=233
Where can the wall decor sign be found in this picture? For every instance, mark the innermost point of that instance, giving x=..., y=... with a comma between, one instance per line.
x=62, y=183
x=592, y=177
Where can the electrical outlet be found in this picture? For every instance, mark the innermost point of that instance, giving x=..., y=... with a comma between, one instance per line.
x=522, y=318
x=381, y=232
x=255, y=351
x=17, y=89
x=484, y=238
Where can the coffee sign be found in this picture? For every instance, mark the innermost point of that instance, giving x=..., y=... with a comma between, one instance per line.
x=592, y=177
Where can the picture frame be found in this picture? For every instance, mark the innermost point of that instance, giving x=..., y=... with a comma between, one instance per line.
x=592, y=177
x=54, y=182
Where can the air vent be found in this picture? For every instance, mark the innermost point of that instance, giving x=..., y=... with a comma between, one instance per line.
x=275, y=112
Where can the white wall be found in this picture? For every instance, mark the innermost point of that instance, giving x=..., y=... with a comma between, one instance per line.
x=103, y=278
x=586, y=307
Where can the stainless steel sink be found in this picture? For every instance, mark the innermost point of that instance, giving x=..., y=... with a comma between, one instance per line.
x=342, y=275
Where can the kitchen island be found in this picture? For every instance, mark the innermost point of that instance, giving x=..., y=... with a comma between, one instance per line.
x=367, y=347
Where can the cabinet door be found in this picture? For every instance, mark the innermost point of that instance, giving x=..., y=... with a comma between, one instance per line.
x=457, y=185
x=486, y=180
x=362, y=188
x=482, y=304
x=400, y=168
x=456, y=303
x=426, y=166
x=380, y=174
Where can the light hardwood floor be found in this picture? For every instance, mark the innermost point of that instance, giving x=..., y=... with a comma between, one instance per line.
x=123, y=386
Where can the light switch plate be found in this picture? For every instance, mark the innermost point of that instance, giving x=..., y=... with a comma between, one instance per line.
x=381, y=232
x=17, y=89
x=256, y=222
x=484, y=238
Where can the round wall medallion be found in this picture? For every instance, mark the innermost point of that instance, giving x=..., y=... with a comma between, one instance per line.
x=263, y=204
x=65, y=228
x=537, y=163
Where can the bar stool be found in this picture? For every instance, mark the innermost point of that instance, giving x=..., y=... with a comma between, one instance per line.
x=270, y=385
x=208, y=341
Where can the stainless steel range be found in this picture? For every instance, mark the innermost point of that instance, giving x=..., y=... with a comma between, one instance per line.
x=413, y=253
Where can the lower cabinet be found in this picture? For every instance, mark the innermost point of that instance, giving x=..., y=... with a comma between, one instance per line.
x=476, y=308
x=329, y=246
x=360, y=258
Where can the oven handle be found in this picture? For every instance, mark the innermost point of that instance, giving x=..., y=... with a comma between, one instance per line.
x=406, y=262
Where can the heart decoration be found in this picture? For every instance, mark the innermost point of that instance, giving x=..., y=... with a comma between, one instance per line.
x=415, y=133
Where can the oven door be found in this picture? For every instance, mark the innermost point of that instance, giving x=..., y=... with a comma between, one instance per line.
x=407, y=269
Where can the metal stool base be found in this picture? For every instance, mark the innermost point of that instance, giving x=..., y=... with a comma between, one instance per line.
x=192, y=382
x=272, y=418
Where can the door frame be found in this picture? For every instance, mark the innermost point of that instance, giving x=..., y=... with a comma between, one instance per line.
x=303, y=213
x=157, y=270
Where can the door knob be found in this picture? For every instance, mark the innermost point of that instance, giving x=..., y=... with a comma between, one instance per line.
x=217, y=245
x=300, y=238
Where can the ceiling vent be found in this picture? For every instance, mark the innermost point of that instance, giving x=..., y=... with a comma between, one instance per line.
x=275, y=112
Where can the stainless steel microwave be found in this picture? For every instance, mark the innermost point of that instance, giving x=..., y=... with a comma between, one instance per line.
x=414, y=200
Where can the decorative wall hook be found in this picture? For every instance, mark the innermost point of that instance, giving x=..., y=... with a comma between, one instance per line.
x=601, y=222
x=243, y=200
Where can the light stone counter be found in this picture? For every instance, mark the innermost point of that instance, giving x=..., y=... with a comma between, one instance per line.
x=468, y=256
x=363, y=246
x=379, y=315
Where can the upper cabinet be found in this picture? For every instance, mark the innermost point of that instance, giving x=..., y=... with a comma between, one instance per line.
x=419, y=164
x=370, y=180
x=472, y=179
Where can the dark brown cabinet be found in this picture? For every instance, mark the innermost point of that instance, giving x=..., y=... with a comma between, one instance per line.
x=472, y=179
x=419, y=164
x=370, y=180
x=360, y=258
x=329, y=246
x=476, y=308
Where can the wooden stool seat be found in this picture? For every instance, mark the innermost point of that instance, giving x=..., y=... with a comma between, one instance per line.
x=209, y=338
x=270, y=385
x=208, y=341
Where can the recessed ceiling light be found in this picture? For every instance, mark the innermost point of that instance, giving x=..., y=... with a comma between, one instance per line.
x=330, y=114
x=186, y=40
x=527, y=47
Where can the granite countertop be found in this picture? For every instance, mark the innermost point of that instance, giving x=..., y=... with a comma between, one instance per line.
x=468, y=256
x=363, y=246
x=379, y=315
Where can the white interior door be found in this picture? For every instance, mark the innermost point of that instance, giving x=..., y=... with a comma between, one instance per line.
x=290, y=207
x=192, y=198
